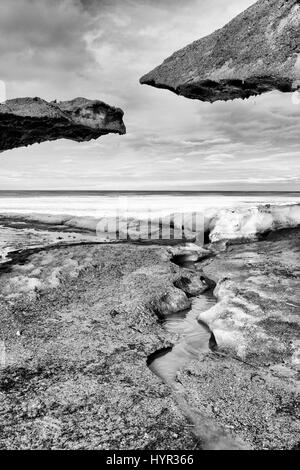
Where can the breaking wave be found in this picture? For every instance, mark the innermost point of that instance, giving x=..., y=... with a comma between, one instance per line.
x=249, y=222
x=243, y=222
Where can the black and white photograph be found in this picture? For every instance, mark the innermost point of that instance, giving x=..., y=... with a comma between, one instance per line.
x=149, y=228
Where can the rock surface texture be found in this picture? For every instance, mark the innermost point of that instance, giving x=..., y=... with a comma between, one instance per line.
x=73, y=373
x=79, y=323
x=257, y=320
x=258, y=51
x=26, y=121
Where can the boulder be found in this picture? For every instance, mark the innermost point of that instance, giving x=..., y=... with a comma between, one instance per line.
x=191, y=285
x=26, y=121
x=258, y=51
x=172, y=301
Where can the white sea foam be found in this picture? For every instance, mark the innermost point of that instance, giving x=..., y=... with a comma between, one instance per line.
x=239, y=222
x=223, y=216
x=247, y=223
x=138, y=205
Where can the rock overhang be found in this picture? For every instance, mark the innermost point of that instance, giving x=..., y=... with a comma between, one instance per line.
x=26, y=121
x=256, y=52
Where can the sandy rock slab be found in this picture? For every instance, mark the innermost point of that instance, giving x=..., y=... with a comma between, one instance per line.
x=252, y=389
x=74, y=349
x=73, y=371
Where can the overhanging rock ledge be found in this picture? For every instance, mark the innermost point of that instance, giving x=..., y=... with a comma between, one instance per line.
x=26, y=121
x=257, y=52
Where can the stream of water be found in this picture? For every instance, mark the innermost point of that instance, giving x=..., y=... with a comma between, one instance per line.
x=194, y=337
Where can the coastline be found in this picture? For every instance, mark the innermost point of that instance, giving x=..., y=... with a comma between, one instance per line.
x=253, y=386
x=150, y=242
x=70, y=345
x=236, y=224
x=74, y=350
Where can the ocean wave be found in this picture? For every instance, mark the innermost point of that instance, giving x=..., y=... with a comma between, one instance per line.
x=236, y=223
x=249, y=222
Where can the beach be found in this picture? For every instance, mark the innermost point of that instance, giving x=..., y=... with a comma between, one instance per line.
x=83, y=322
x=150, y=228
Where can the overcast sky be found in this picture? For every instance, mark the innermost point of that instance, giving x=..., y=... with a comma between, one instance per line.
x=98, y=49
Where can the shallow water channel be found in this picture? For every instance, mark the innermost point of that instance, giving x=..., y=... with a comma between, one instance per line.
x=194, y=337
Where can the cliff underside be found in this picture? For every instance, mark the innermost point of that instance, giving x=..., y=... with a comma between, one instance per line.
x=257, y=52
x=26, y=121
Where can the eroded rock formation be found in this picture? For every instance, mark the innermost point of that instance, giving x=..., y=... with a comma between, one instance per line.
x=79, y=359
x=256, y=319
x=81, y=321
x=26, y=121
x=258, y=51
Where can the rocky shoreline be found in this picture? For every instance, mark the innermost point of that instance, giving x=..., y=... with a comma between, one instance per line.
x=74, y=369
x=253, y=387
x=75, y=373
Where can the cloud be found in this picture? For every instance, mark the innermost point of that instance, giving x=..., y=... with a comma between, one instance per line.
x=219, y=158
x=42, y=46
x=99, y=49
